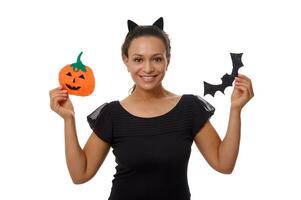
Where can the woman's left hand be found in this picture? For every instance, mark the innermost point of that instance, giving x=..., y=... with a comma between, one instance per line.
x=242, y=92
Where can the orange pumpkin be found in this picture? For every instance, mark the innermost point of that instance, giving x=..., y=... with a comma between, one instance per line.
x=77, y=78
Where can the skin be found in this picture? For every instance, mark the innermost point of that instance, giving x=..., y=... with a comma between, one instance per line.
x=147, y=56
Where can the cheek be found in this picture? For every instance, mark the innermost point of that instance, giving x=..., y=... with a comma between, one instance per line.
x=160, y=67
x=133, y=69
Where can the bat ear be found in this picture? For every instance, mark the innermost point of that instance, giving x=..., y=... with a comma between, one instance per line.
x=131, y=25
x=159, y=23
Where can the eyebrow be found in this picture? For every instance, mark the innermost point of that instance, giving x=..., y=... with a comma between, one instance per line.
x=156, y=54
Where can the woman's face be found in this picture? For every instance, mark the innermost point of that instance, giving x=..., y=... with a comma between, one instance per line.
x=147, y=61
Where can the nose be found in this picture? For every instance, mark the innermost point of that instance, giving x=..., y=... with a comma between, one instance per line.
x=73, y=80
x=148, y=67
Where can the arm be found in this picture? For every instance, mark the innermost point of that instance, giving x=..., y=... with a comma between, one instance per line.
x=83, y=163
x=222, y=155
x=228, y=149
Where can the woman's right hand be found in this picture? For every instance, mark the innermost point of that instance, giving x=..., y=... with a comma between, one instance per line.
x=61, y=103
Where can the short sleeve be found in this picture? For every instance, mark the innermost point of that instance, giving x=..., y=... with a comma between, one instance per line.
x=202, y=111
x=101, y=123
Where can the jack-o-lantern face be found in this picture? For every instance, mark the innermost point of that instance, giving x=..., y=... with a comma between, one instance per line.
x=77, y=78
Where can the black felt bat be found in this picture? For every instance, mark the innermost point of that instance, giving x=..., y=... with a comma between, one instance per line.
x=227, y=79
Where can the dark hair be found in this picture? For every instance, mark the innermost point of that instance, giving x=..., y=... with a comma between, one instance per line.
x=145, y=31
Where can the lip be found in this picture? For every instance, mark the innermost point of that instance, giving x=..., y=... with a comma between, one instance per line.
x=149, y=75
x=146, y=80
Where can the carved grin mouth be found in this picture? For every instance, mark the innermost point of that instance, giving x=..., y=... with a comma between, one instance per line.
x=72, y=87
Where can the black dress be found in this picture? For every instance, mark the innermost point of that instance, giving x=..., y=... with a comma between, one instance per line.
x=152, y=154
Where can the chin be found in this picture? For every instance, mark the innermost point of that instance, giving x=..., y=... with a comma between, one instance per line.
x=147, y=86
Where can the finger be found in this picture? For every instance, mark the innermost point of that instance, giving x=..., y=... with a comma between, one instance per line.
x=55, y=92
x=243, y=76
x=244, y=90
x=54, y=99
x=59, y=95
x=59, y=99
x=246, y=81
x=241, y=79
x=55, y=103
x=246, y=85
x=251, y=90
x=55, y=89
x=241, y=84
x=62, y=91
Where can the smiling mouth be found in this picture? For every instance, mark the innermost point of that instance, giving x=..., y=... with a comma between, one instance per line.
x=72, y=87
x=148, y=78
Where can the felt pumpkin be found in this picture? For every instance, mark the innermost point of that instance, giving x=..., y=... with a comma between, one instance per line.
x=77, y=78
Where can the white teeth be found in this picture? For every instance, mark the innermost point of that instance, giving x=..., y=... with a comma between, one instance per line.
x=148, y=78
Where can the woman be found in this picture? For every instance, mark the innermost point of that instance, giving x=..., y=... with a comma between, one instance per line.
x=151, y=131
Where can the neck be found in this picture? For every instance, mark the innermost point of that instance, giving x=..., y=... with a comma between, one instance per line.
x=149, y=95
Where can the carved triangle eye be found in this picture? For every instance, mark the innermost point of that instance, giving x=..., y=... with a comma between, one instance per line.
x=82, y=76
x=68, y=74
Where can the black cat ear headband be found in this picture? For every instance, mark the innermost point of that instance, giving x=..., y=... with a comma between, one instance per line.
x=159, y=23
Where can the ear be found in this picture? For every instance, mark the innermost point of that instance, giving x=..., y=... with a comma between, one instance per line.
x=131, y=25
x=125, y=60
x=168, y=61
x=159, y=23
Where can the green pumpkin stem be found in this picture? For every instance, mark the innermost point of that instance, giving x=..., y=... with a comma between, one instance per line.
x=79, y=65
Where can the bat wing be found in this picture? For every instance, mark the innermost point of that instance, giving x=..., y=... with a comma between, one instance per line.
x=211, y=89
x=236, y=63
x=227, y=79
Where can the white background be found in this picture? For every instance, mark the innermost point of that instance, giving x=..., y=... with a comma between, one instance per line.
x=40, y=37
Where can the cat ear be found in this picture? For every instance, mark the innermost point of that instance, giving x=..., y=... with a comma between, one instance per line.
x=159, y=23
x=131, y=25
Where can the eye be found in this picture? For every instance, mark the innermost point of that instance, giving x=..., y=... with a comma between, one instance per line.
x=82, y=76
x=158, y=59
x=68, y=74
x=137, y=59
